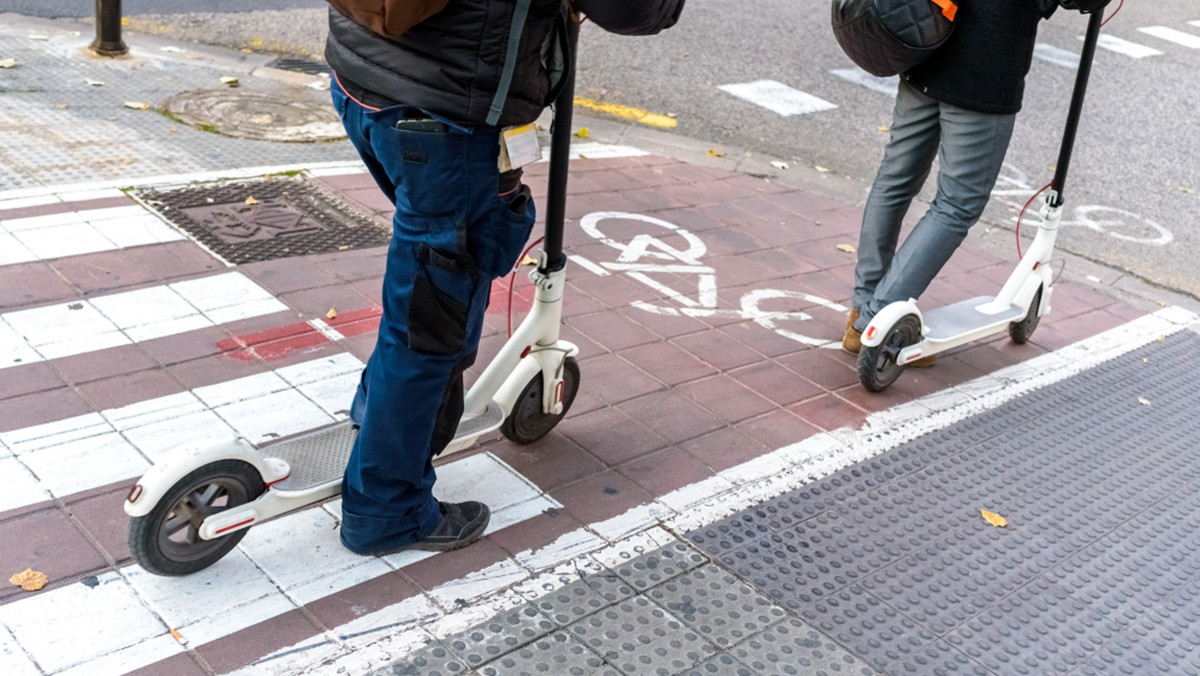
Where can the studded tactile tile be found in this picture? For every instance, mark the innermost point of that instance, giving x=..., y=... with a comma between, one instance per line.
x=1097, y=571
x=716, y=605
x=638, y=636
x=555, y=655
x=660, y=565
x=794, y=648
x=499, y=635
x=585, y=596
x=434, y=659
x=720, y=665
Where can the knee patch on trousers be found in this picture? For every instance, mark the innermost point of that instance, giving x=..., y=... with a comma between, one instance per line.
x=440, y=302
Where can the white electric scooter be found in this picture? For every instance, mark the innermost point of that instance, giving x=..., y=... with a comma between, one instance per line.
x=194, y=506
x=900, y=334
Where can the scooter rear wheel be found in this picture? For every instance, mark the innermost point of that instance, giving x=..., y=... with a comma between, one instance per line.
x=527, y=423
x=877, y=367
x=167, y=540
x=1020, y=331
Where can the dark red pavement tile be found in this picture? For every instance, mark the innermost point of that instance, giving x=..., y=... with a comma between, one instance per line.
x=664, y=471
x=804, y=202
x=1084, y=325
x=317, y=302
x=130, y=388
x=317, y=350
x=720, y=349
x=612, y=180
x=778, y=384
x=781, y=262
x=613, y=331
x=63, y=207
x=613, y=291
x=988, y=357
x=113, y=361
x=360, y=346
x=1072, y=299
x=669, y=363
x=174, y=260
x=726, y=213
x=103, y=517
x=915, y=383
x=658, y=175
x=247, y=645
x=829, y=412
x=355, y=181
x=581, y=205
x=184, y=347
x=102, y=272
x=612, y=436
x=725, y=448
x=214, y=369
x=577, y=302
x=663, y=198
x=588, y=348
x=40, y=407
x=364, y=264
x=873, y=402
x=350, y=604
x=28, y=378
x=370, y=288
x=45, y=541
x=665, y=326
x=176, y=665
x=966, y=259
x=535, y=533
x=285, y=275
x=830, y=369
x=601, y=497
x=726, y=398
x=26, y=284
x=371, y=198
x=823, y=285
x=447, y=566
x=670, y=415
x=742, y=270
x=613, y=380
x=778, y=429
x=552, y=461
x=762, y=208
x=955, y=370
x=1127, y=312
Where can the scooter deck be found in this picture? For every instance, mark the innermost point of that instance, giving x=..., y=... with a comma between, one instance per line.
x=953, y=321
x=318, y=458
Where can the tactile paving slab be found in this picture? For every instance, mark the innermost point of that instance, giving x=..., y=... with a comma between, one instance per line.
x=1098, y=570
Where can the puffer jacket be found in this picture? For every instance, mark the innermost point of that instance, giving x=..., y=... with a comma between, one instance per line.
x=451, y=63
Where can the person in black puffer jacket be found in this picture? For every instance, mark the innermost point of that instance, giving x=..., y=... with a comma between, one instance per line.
x=423, y=111
x=960, y=105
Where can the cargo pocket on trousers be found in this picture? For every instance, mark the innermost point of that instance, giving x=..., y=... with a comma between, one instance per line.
x=510, y=231
x=437, y=320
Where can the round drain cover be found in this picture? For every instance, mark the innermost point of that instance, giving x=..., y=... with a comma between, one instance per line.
x=256, y=116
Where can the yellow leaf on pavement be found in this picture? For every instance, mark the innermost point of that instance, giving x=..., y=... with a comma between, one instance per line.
x=331, y=314
x=848, y=248
x=716, y=152
x=8, y=63
x=137, y=105
x=994, y=518
x=251, y=200
x=29, y=579
x=230, y=81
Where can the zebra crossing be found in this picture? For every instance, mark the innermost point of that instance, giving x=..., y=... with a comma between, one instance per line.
x=786, y=101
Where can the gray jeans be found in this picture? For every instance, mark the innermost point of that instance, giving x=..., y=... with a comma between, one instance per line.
x=970, y=148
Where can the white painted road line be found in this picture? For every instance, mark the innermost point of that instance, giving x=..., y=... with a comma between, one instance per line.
x=1059, y=57
x=75, y=233
x=1171, y=35
x=64, y=457
x=76, y=327
x=1132, y=49
x=778, y=97
x=354, y=647
x=883, y=85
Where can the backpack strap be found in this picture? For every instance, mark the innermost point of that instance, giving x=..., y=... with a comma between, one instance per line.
x=520, y=13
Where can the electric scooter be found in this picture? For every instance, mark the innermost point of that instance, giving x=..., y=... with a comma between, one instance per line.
x=195, y=505
x=901, y=334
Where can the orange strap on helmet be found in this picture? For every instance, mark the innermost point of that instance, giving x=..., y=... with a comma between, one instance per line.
x=949, y=9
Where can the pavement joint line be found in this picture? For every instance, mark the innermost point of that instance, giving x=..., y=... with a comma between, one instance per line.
x=643, y=529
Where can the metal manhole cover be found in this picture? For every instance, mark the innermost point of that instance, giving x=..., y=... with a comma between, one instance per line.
x=259, y=116
x=254, y=221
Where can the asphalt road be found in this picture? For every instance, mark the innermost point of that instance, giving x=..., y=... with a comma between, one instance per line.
x=1133, y=194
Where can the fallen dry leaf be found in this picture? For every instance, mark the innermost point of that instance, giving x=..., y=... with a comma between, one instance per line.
x=583, y=132
x=716, y=152
x=1143, y=401
x=821, y=169
x=882, y=128
x=29, y=579
x=60, y=106
x=8, y=63
x=1186, y=191
x=994, y=518
x=231, y=81
x=251, y=200
x=1161, y=339
x=331, y=314
x=94, y=83
x=848, y=248
x=137, y=105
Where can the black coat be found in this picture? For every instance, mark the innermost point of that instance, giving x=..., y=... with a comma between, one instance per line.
x=451, y=63
x=982, y=66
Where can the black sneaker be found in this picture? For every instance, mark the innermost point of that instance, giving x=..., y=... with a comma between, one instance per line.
x=462, y=523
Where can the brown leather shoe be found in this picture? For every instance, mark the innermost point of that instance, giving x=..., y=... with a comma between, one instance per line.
x=852, y=340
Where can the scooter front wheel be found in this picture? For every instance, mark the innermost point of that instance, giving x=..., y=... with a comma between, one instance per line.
x=167, y=540
x=1020, y=331
x=528, y=422
x=877, y=365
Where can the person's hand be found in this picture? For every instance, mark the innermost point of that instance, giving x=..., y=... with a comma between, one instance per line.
x=1084, y=6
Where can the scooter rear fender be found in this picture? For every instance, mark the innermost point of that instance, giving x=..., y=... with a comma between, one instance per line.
x=883, y=321
x=180, y=462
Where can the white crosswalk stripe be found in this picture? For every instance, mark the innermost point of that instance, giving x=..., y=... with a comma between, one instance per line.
x=73, y=233
x=1188, y=40
x=1125, y=47
x=778, y=97
x=883, y=85
x=1055, y=55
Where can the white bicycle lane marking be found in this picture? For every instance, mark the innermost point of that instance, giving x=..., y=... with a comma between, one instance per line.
x=1013, y=189
x=645, y=255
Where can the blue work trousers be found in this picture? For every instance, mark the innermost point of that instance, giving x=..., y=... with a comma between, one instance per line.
x=452, y=234
x=970, y=148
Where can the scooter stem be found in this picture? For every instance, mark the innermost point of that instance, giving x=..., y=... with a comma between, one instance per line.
x=1076, y=110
